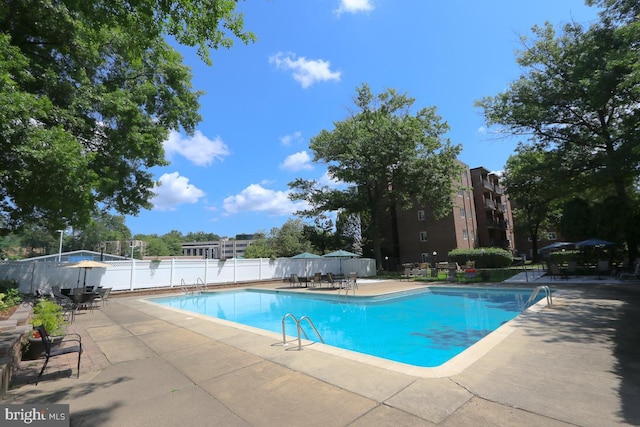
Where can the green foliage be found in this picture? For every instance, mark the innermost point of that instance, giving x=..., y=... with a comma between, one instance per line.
x=577, y=99
x=482, y=257
x=9, y=294
x=48, y=314
x=260, y=248
x=381, y=152
x=534, y=189
x=89, y=91
x=289, y=240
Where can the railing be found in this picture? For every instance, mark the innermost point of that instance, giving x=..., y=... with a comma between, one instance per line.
x=196, y=288
x=299, y=327
x=535, y=293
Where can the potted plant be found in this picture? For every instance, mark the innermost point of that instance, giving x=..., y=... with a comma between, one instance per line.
x=48, y=314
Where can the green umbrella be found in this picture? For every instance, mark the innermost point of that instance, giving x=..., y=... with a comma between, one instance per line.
x=306, y=255
x=341, y=254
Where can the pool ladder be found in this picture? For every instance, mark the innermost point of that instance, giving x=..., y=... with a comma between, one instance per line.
x=299, y=327
x=535, y=293
x=196, y=288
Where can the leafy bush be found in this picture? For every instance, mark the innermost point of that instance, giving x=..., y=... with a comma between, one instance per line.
x=482, y=257
x=9, y=294
x=48, y=314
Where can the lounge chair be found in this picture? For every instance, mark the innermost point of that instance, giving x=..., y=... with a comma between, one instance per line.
x=631, y=276
x=50, y=352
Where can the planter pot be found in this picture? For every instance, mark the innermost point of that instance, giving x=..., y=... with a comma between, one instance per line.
x=35, y=348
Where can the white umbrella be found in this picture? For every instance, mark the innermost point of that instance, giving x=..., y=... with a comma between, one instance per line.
x=87, y=264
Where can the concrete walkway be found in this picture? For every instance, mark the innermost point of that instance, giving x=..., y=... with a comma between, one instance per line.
x=576, y=363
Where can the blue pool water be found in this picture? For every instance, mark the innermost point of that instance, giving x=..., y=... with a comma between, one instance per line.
x=424, y=328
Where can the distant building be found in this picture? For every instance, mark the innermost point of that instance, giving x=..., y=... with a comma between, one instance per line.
x=220, y=249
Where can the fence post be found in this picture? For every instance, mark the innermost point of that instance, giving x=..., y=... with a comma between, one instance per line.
x=133, y=275
x=173, y=266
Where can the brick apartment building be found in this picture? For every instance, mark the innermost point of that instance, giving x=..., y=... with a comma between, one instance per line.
x=481, y=217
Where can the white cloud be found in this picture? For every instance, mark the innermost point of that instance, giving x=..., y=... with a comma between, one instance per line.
x=296, y=162
x=354, y=6
x=256, y=198
x=482, y=130
x=289, y=139
x=174, y=190
x=305, y=71
x=198, y=149
x=329, y=181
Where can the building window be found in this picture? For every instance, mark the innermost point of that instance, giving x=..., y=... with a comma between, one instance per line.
x=462, y=213
x=423, y=236
x=420, y=215
x=553, y=235
x=473, y=235
x=465, y=234
x=460, y=192
x=424, y=257
x=468, y=195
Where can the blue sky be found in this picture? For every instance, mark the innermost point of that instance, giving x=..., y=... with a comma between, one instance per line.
x=263, y=102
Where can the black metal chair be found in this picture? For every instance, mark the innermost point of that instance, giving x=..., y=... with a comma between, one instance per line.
x=50, y=352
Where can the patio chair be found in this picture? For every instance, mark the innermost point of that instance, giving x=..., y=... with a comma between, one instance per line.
x=333, y=282
x=295, y=280
x=630, y=276
x=88, y=301
x=407, y=274
x=69, y=307
x=555, y=272
x=316, y=280
x=353, y=280
x=50, y=352
x=103, y=296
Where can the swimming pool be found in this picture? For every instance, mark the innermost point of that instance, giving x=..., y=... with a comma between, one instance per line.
x=424, y=328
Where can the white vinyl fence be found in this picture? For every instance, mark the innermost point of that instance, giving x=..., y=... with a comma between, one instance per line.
x=134, y=274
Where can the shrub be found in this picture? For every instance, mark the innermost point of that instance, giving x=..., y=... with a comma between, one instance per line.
x=48, y=314
x=482, y=257
x=9, y=294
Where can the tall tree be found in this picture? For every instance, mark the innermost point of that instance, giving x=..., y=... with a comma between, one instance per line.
x=386, y=156
x=289, y=240
x=530, y=179
x=89, y=91
x=578, y=97
x=102, y=227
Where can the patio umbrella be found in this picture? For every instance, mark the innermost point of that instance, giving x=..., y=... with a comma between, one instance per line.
x=557, y=245
x=341, y=254
x=87, y=264
x=594, y=243
x=306, y=255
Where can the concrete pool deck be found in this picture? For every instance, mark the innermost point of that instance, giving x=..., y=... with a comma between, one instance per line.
x=575, y=363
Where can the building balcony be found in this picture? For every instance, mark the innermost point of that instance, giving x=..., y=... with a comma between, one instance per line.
x=496, y=225
x=489, y=204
